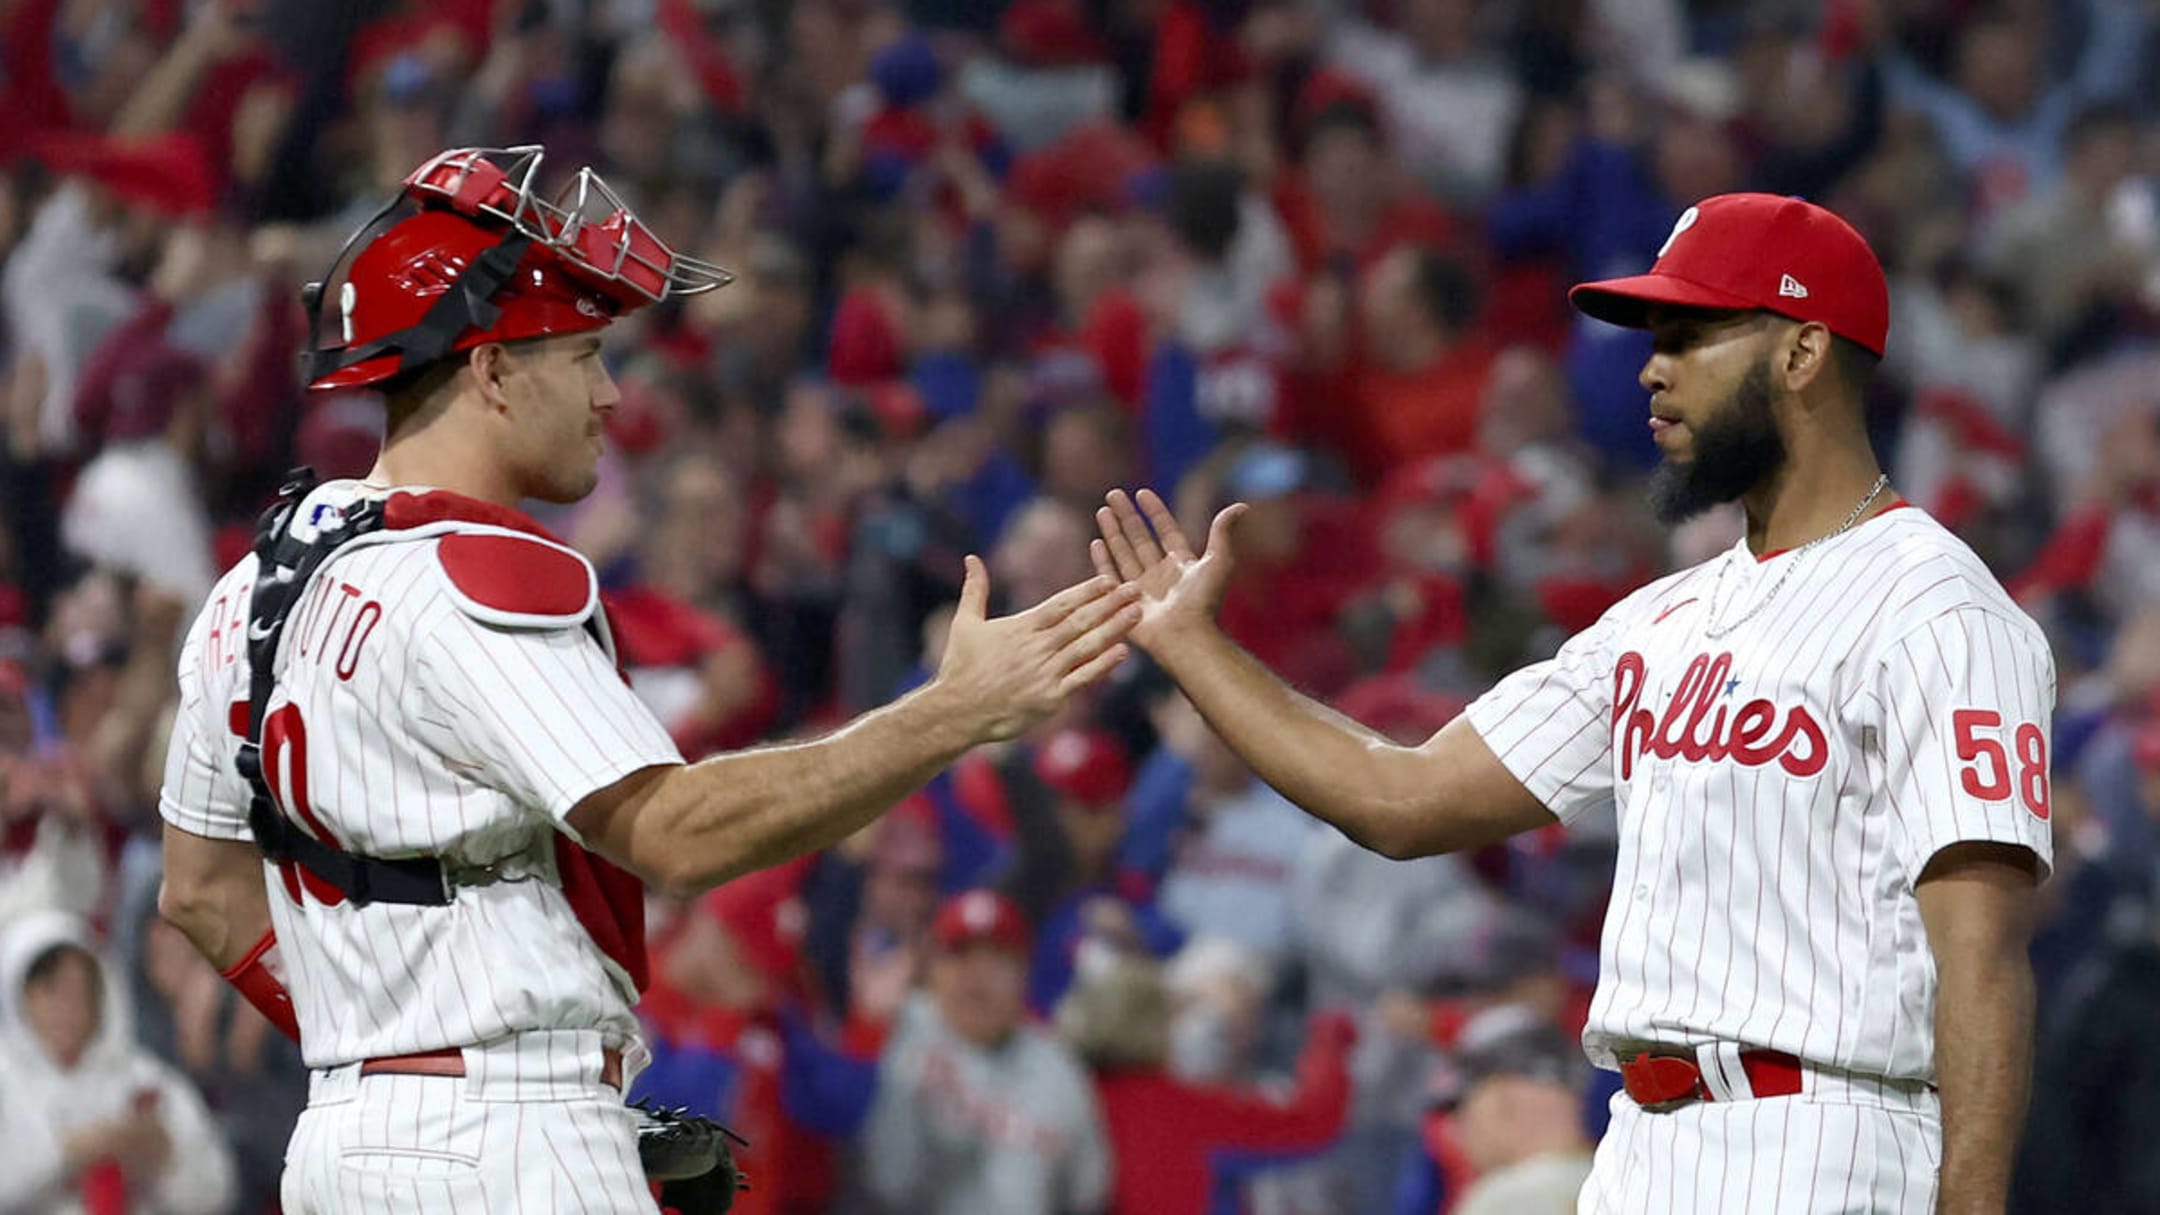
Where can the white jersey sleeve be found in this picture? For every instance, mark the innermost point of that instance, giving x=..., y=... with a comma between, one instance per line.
x=1551, y=724
x=540, y=713
x=1967, y=701
x=203, y=793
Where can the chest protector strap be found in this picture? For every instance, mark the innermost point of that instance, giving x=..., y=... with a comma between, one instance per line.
x=284, y=564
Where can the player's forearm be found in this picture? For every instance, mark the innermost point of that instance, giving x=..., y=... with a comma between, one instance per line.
x=736, y=813
x=1983, y=1061
x=1369, y=788
x=214, y=893
x=1976, y=902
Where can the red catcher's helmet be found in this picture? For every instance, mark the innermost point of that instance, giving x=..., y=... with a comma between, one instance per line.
x=469, y=252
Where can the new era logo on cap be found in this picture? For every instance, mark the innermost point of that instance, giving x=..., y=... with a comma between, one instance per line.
x=1715, y=258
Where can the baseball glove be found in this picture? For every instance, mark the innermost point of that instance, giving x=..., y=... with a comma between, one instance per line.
x=690, y=1157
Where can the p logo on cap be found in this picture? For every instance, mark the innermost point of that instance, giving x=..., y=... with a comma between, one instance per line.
x=1687, y=220
x=975, y=916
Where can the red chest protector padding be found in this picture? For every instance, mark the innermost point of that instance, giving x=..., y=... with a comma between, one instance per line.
x=517, y=581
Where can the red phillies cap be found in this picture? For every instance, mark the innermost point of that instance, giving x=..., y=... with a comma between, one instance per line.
x=980, y=915
x=1750, y=251
x=1085, y=765
x=765, y=917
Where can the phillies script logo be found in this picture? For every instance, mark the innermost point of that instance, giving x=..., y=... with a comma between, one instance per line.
x=1698, y=725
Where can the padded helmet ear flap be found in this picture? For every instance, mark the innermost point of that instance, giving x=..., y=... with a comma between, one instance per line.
x=320, y=358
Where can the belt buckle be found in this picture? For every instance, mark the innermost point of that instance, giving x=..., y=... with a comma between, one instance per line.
x=1699, y=1092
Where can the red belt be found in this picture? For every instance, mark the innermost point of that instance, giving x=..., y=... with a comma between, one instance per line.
x=452, y=1063
x=1664, y=1082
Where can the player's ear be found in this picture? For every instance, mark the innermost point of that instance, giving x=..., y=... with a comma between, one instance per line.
x=1806, y=357
x=490, y=363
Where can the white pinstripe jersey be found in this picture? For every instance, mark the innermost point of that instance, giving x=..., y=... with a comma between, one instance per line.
x=409, y=719
x=1780, y=789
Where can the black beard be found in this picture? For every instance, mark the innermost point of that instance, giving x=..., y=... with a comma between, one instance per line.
x=1736, y=449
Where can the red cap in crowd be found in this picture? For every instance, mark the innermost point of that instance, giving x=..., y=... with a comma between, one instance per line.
x=168, y=174
x=1048, y=33
x=764, y=915
x=1757, y=251
x=1086, y=765
x=1095, y=168
x=976, y=916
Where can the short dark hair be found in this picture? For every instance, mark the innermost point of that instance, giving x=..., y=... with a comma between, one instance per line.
x=1854, y=364
x=1342, y=114
x=1446, y=289
x=408, y=393
x=1203, y=206
x=2095, y=120
x=43, y=967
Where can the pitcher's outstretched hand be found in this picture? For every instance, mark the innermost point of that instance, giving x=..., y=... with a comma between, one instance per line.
x=1143, y=546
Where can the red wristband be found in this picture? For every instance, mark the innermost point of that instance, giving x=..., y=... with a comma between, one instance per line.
x=256, y=978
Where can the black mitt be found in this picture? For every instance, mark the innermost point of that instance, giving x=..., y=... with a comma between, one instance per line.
x=691, y=1159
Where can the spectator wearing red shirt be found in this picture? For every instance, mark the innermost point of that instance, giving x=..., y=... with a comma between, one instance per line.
x=1416, y=378
x=1349, y=204
x=1174, y=1140
x=1303, y=555
x=729, y=1039
x=700, y=673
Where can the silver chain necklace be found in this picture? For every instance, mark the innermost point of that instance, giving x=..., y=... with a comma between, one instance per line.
x=1713, y=630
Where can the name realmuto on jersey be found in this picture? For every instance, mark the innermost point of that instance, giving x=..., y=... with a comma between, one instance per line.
x=1697, y=728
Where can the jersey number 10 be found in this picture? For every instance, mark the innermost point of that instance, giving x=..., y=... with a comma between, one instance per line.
x=284, y=760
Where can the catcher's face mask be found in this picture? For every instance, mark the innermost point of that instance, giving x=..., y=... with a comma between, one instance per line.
x=470, y=252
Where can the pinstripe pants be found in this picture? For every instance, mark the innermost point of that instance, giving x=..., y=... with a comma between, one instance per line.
x=1811, y=1154
x=431, y=1145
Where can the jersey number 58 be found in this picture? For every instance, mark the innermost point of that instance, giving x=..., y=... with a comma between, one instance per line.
x=1987, y=773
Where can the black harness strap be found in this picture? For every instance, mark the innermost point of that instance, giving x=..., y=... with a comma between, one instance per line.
x=469, y=303
x=284, y=564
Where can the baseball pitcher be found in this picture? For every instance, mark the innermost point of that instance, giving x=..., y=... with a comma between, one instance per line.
x=1827, y=748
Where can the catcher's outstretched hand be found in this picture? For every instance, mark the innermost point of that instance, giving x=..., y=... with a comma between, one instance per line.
x=1011, y=672
x=1143, y=545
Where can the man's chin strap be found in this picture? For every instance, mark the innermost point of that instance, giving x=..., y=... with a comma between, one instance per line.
x=260, y=976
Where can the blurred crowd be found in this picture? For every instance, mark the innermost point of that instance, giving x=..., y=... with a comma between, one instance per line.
x=995, y=258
